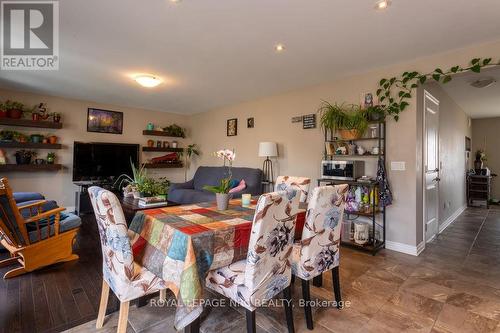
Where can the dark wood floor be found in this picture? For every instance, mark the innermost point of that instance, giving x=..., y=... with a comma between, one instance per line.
x=57, y=297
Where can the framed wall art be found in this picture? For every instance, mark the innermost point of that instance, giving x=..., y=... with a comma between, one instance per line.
x=104, y=121
x=232, y=127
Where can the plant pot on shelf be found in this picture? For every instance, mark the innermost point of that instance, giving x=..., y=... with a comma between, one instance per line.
x=3, y=113
x=36, y=138
x=52, y=139
x=352, y=134
x=15, y=113
x=222, y=200
x=23, y=159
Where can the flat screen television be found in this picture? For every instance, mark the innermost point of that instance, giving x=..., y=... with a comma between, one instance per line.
x=101, y=162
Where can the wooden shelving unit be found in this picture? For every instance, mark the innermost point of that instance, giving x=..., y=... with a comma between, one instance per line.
x=30, y=167
x=161, y=149
x=163, y=165
x=28, y=145
x=29, y=123
x=158, y=133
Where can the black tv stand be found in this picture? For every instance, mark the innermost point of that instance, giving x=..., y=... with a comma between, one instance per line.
x=83, y=205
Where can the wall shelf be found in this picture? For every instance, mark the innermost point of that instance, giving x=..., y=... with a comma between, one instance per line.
x=29, y=123
x=158, y=133
x=162, y=165
x=30, y=167
x=360, y=139
x=162, y=149
x=28, y=145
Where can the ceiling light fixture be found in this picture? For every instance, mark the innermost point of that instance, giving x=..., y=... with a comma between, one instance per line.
x=148, y=81
x=483, y=83
x=382, y=4
x=280, y=47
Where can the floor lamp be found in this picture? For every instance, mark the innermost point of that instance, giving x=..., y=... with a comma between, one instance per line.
x=268, y=149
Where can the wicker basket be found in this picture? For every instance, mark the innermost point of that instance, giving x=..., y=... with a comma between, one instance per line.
x=349, y=134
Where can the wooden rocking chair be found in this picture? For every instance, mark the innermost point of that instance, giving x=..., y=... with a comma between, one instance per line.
x=36, y=241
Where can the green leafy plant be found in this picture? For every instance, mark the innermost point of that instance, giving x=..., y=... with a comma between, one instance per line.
x=6, y=135
x=13, y=105
x=224, y=186
x=343, y=117
x=26, y=153
x=151, y=187
x=394, y=93
x=175, y=131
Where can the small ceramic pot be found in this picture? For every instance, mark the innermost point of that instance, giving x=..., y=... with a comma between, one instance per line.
x=3, y=113
x=174, y=144
x=158, y=144
x=222, y=200
x=52, y=139
x=150, y=127
x=36, y=138
x=15, y=113
x=151, y=143
x=39, y=161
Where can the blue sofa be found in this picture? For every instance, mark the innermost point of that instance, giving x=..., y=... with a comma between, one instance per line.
x=193, y=192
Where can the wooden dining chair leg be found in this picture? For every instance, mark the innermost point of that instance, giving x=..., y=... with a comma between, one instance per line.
x=123, y=317
x=306, y=295
x=287, y=295
x=336, y=286
x=194, y=327
x=163, y=295
x=102, y=305
x=318, y=280
x=250, y=321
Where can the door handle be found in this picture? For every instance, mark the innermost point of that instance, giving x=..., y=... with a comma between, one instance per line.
x=437, y=179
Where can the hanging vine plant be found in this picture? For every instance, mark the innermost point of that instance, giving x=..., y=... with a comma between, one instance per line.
x=393, y=93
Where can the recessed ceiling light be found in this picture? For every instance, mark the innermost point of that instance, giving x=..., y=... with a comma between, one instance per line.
x=174, y=1
x=280, y=47
x=382, y=4
x=148, y=81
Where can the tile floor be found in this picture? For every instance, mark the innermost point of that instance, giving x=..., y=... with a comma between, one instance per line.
x=453, y=286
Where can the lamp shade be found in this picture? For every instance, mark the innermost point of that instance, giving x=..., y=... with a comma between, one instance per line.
x=268, y=149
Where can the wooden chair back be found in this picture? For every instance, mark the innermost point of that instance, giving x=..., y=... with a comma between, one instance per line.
x=12, y=226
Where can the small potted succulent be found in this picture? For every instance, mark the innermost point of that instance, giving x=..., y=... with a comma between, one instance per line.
x=14, y=109
x=51, y=158
x=24, y=156
x=36, y=138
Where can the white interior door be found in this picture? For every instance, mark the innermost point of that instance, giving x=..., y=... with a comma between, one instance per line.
x=431, y=166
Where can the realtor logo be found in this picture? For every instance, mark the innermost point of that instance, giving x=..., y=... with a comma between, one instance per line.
x=29, y=35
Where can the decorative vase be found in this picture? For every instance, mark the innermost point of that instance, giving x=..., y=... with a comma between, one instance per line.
x=222, y=200
x=150, y=127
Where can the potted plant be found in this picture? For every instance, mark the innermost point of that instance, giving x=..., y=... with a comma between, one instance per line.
x=348, y=120
x=20, y=137
x=191, y=150
x=479, y=162
x=175, y=131
x=51, y=158
x=52, y=139
x=7, y=136
x=36, y=138
x=222, y=191
x=131, y=184
x=24, y=156
x=375, y=113
x=3, y=111
x=14, y=109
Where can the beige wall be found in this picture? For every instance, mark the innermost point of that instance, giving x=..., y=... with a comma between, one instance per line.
x=300, y=150
x=58, y=185
x=486, y=135
x=453, y=128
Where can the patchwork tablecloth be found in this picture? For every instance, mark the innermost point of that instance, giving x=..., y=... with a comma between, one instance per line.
x=181, y=244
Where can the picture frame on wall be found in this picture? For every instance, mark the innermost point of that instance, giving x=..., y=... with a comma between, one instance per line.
x=104, y=121
x=250, y=122
x=232, y=127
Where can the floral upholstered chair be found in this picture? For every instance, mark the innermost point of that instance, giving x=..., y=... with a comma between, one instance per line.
x=301, y=184
x=125, y=278
x=266, y=271
x=318, y=250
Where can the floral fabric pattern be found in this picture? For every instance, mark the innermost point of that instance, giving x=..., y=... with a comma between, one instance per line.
x=301, y=184
x=318, y=250
x=266, y=271
x=127, y=279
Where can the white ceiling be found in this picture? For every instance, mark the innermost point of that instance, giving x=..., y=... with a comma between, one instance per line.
x=214, y=53
x=477, y=103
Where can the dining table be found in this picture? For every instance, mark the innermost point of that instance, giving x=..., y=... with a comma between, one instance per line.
x=180, y=244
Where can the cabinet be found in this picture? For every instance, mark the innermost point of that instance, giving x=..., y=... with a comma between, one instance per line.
x=478, y=189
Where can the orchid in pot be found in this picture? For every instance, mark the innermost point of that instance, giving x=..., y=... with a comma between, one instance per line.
x=222, y=191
